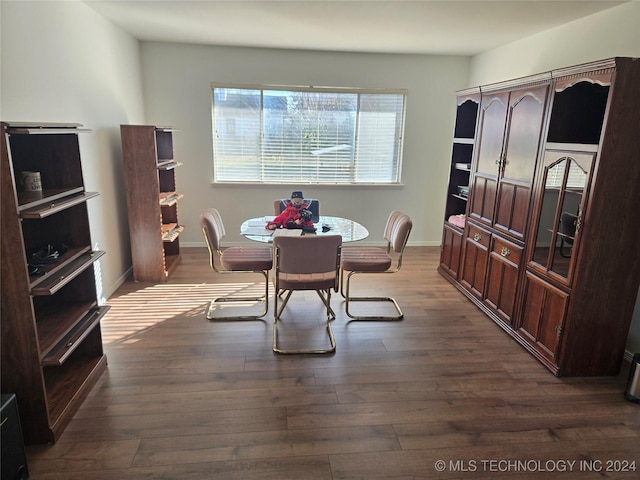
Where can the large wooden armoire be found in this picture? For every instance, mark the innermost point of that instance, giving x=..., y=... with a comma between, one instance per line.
x=541, y=222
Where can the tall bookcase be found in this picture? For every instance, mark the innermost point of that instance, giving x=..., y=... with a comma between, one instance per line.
x=51, y=341
x=152, y=200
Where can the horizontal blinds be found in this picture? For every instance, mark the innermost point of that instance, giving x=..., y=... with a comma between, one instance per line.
x=566, y=173
x=288, y=136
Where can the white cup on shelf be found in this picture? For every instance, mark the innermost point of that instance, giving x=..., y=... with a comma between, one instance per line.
x=31, y=181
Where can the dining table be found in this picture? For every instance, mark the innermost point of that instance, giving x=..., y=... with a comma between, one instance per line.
x=350, y=230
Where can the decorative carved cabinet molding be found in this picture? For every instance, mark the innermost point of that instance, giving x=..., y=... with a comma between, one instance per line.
x=545, y=242
x=152, y=200
x=51, y=341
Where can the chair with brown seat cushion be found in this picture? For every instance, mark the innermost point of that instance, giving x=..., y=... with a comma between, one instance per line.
x=257, y=260
x=370, y=260
x=306, y=263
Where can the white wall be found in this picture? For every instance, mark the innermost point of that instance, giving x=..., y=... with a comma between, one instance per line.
x=177, y=91
x=62, y=62
x=611, y=33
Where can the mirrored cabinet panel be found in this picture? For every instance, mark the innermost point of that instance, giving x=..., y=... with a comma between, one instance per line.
x=566, y=177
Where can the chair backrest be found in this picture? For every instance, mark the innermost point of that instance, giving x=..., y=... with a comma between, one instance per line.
x=313, y=205
x=568, y=225
x=212, y=228
x=308, y=254
x=397, y=231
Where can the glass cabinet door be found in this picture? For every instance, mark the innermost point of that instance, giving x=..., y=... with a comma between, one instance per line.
x=566, y=178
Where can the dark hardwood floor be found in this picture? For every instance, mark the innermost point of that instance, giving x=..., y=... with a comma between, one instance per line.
x=445, y=393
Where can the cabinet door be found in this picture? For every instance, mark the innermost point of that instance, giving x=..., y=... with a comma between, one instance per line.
x=502, y=277
x=474, y=269
x=516, y=172
x=565, y=182
x=491, y=125
x=542, y=322
x=451, y=251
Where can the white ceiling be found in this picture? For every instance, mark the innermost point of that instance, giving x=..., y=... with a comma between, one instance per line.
x=384, y=26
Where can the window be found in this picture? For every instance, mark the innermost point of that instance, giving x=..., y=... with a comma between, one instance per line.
x=307, y=135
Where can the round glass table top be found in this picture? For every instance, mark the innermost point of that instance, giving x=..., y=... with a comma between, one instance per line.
x=350, y=230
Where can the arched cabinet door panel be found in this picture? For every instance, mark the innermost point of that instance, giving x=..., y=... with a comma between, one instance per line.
x=509, y=131
x=559, y=217
x=522, y=144
x=491, y=124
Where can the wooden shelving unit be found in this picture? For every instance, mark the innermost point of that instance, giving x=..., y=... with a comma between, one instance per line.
x=152, y=200
x=51, y=341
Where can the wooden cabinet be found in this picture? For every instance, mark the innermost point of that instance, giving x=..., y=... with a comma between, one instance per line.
x=152, y=200
x=51, y=341
x=550, y=247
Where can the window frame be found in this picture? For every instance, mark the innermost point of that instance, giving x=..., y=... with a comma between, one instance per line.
x=398, y=142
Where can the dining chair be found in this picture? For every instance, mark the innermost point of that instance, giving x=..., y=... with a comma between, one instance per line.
x=567, y=232
x=258, y=260
x=306, y=263
x=313, y=205
x=370, y=260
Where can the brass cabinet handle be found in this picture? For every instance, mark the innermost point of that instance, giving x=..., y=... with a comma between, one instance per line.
x=505, y=252
x=477, y=237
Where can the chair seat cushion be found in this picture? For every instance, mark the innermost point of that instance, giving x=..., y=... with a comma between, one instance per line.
x=307, y=281
x=365, y=259
x=247, y=258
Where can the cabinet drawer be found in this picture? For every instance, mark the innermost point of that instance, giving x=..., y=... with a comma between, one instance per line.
x=479, y=235
x=507, y=250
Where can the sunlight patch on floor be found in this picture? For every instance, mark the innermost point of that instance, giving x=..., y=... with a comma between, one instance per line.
x=144, y=309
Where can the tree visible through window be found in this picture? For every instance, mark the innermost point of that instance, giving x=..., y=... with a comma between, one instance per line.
x=309, y=135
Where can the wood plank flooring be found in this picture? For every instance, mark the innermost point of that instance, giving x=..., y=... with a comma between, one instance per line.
x=185, y=398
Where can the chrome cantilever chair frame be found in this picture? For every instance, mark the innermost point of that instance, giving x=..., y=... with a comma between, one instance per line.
x=257, y=260
x=296, y=270
x=375, y=260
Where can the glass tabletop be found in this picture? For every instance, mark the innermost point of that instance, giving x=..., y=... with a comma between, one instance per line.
x=350, y=230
